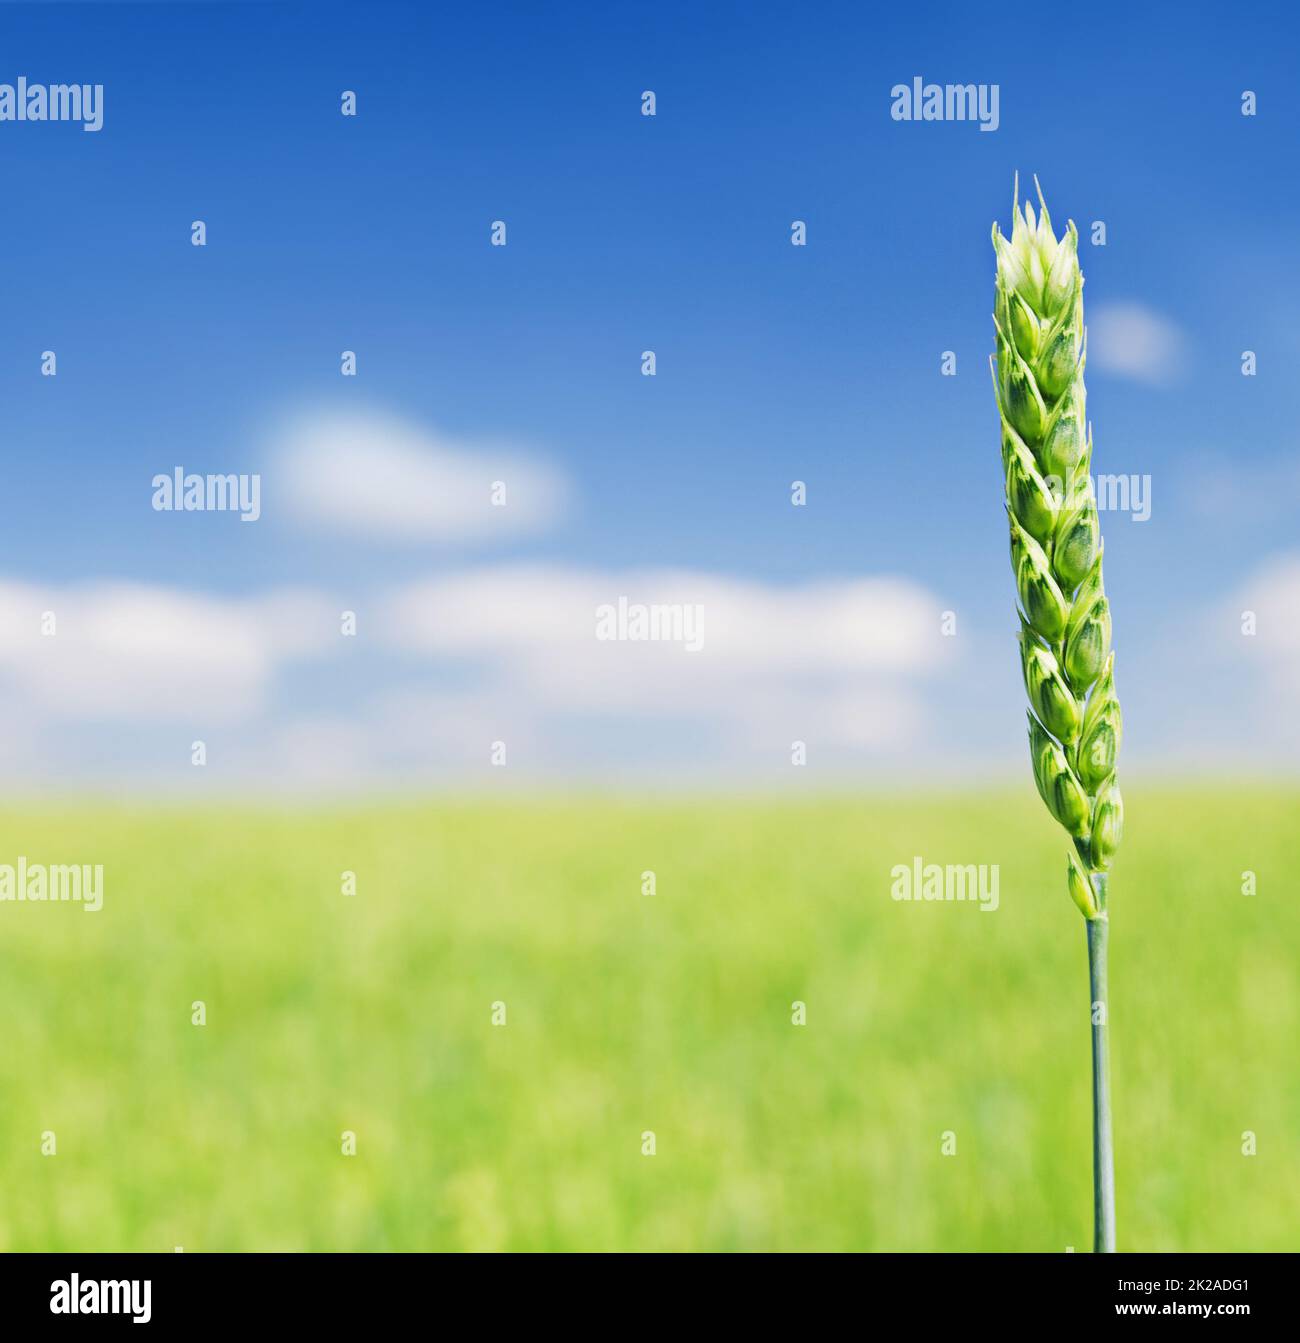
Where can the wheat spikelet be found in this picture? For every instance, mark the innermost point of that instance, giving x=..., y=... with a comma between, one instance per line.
x=1056, y=549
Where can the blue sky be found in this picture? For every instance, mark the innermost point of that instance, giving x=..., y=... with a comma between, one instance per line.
x=628, y=233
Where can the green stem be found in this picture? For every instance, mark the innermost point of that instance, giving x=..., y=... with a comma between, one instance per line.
x=1103, y=1156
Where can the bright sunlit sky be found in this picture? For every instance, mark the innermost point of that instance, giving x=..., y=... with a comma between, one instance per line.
x=775, y=363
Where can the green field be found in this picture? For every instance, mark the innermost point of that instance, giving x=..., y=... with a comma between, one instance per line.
x=627, y=1013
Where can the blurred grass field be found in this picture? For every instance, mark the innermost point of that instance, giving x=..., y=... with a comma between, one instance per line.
x=628, y=1012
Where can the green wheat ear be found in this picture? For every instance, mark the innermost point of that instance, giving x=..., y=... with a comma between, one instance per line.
x=1065, y=630
x=1055, y=538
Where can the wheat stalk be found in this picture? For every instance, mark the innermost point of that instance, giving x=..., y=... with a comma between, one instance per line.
x=1069, y=669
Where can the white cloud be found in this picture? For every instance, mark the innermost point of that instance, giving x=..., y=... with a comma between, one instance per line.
x=1132, y=341
x=1272, y=593
x=445, y=667
x=136, y=652
x=881, y=623
x=835, y=658
x=1243, y=662
x=395, y=482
